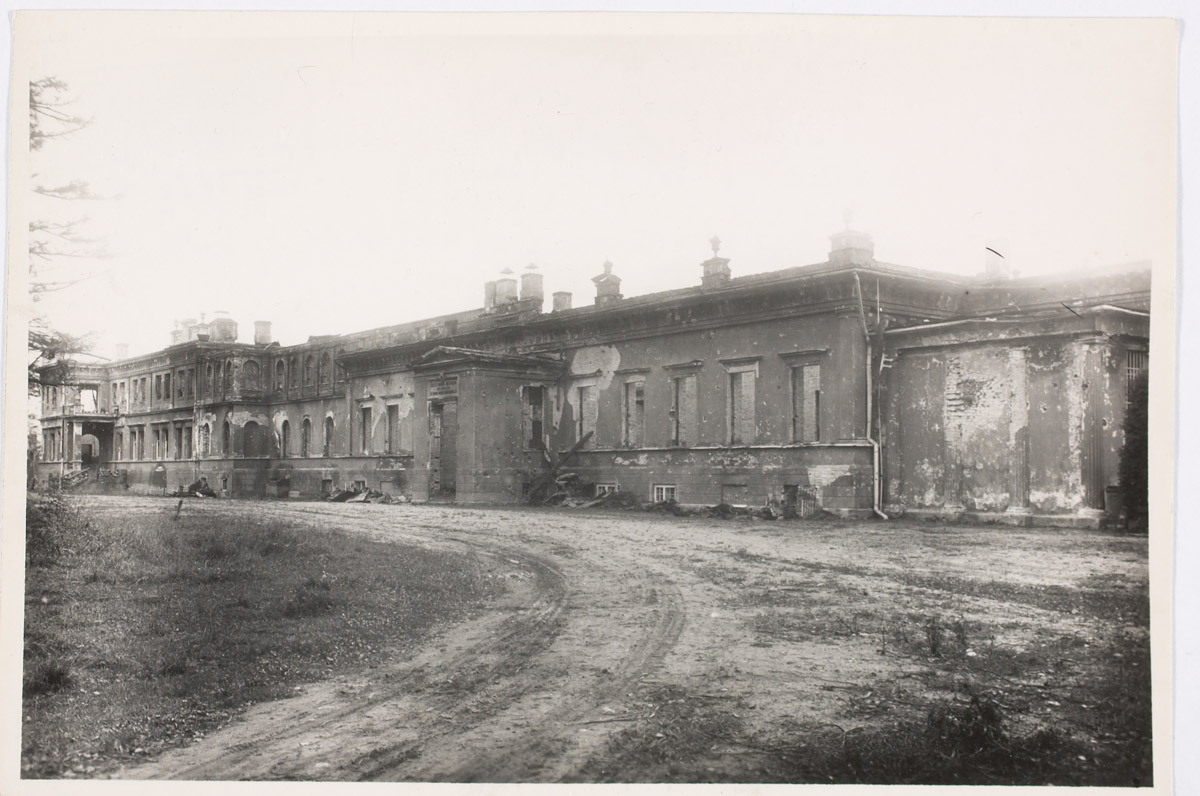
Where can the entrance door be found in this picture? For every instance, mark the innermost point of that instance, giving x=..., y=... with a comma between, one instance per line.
x=443, y=442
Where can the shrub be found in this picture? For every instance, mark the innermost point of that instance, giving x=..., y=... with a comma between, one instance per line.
x=311, y=598
x=46, y=677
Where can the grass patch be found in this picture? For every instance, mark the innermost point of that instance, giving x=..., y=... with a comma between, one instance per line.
x=143, y=632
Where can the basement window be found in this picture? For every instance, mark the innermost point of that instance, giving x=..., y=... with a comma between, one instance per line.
x=607, y=489
x=1136, y=363
x=663, y=492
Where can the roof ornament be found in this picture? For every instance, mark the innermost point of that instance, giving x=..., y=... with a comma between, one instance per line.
x=715, y=242
x=608, y=266
x=848, y=218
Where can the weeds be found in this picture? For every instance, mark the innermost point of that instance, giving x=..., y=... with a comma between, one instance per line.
x=312, y=597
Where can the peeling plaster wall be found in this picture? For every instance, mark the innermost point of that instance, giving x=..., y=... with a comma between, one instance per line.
x=1004, y=426
x=838, y=477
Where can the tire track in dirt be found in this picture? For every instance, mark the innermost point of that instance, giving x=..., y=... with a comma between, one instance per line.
x=501, y=697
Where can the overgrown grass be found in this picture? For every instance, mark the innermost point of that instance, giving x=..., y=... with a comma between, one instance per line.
x=143, y=632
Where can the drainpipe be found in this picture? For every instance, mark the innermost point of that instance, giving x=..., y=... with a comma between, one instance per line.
x=876, y=463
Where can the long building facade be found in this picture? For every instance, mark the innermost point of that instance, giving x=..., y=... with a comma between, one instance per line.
x=855, y=386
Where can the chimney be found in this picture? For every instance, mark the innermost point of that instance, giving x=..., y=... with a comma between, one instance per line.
x=262, y=332
x=562, y=301
x=850, y=247
x=531, y=284
x=716, y=269
x=506, y=288
x=178, y=334
x=121, y=350
x=608, y=287
x=489, y=296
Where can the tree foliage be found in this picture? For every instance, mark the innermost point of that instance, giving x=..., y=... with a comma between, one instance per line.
x=56, y=247
x=1133, y=468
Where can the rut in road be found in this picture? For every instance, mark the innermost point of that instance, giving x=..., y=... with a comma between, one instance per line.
x=495, y=698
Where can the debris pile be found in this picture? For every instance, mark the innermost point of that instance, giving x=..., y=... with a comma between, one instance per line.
x=198, y=488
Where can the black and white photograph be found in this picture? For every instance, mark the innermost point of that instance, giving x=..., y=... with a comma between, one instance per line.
x=605, y=398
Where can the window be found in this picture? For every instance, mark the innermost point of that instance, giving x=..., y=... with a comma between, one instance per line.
x=280, y=375
x=806, y=403
x=210, y=380
x=166, y=388
x=588, y=409
x=89, y=398
x=123, y=394
x=305, y=435
x=119, y=446
x=663, y=492
x=328, y=444
x=393, y=429
x=250, y=375
x=606, y=489
x=180, y=381
x=158, y=388
x=112, y=397
x=225, y=449
x=741, y=405
x=1136, y=363
x=309, y=375
x=324, y=369
x=683, y=410
x=205, y=440
x=294, y=368
x=634, y=413
x=187, y=442
x=285, y=442
x=251, y=440
x=533, y=405
x=228, y=381
x=366, y=429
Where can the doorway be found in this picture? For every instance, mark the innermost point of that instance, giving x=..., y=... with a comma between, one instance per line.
x=443, y=448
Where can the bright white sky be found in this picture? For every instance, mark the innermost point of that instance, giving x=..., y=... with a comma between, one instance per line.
x=338, y=173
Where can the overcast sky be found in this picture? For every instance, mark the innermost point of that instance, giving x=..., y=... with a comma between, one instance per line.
x=337, y=173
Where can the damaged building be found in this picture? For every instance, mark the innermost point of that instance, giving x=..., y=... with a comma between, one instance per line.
x=854, y=386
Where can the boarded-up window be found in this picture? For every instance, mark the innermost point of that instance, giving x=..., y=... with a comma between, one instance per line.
x=806, y=403
x=366, y=429
x=205, y=440
x=683, y=410
x=393, y=428
x=533, y=406
x=741, y=407
x=252, y=444
x=250, y=376
x=635, y=413
x=589, y=410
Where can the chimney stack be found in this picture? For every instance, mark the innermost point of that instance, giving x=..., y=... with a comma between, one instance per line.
x=531, y=284
x=489, y=296
x=850, y=247
x=608, y=287
x=178, y=334
x=506, y=288
x=716, y=269
x=262, y=333
x=562, y=301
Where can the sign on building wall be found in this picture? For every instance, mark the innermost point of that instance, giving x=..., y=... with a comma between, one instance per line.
x=445, y=387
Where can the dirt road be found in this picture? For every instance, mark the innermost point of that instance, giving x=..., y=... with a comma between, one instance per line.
x=609, y=618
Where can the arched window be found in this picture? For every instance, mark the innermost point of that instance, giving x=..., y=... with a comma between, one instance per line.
x=328, y=436
x=324, y=369
x=294, y=367
x=309, y=376
x=250, y=440
x=226, y=451
x=285, y=432
x=280, y=375
x=250, y=375
x=228, y=375
x=211, y=380
x=205, y=439
x=341, y=369
x=305, y=435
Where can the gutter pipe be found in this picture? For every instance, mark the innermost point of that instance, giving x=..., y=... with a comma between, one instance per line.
x=876, y=464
